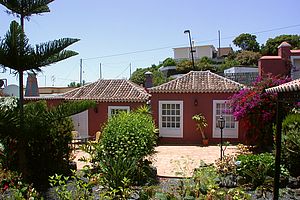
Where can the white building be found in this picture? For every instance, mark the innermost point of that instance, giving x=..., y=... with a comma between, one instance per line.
x=199, y=52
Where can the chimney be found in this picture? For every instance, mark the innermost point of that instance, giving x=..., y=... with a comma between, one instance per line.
x=32, y=89
x=149, y=80
x=284, y=50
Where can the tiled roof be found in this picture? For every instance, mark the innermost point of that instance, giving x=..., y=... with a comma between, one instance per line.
x=292, y=86
x=117, y=90
x=198, y=82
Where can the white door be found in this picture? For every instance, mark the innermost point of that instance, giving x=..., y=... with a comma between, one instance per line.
x=171, y=119
x=220, y=107
x=80, y=122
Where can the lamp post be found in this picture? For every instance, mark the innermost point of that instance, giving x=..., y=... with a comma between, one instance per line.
x=192, y=51
x=221, y=124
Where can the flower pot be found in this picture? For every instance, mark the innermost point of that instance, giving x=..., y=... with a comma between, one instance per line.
x=205, y=142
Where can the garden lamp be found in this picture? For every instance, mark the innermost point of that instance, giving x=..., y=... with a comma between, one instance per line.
x=221, y=124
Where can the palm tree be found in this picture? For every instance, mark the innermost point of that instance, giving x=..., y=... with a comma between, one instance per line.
x=23, y=9
x=16, y=53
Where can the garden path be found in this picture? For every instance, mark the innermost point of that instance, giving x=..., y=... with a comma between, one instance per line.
x=176, y=161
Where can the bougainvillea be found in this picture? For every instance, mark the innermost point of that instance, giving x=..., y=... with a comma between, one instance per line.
x=257, y=109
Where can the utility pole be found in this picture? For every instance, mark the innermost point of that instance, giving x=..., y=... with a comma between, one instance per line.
x=219, y=43
x=100, y=71
x=129, y=70
x=80, y=73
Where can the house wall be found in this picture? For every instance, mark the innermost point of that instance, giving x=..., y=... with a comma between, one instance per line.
x=205, y=106
x=274, y=66
x=98, y=116
x=201, y=51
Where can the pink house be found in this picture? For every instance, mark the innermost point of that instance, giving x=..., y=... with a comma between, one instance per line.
x=174, y=104
x=287, y=63
x=111, y=96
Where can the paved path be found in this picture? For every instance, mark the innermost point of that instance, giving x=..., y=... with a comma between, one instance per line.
x=177, y=160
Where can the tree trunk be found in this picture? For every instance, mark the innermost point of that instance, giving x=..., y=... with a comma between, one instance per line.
x=22, y=139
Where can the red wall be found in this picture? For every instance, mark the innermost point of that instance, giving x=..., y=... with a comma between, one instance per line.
x=97, y=117
x=274, y=66
x=205, y=106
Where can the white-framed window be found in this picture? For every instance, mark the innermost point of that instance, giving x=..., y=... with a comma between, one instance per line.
x=231, y=126
x=171, y=119
x=295, y=71
x=112, y=110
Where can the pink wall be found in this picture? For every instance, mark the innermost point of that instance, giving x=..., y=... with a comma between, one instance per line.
x=205, y=106
x=274, y=66
x=97, y=117
x=278, y=65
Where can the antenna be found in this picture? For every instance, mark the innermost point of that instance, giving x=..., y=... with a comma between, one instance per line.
x=219, y=52
x=53, y=80
x=100, y=71
x=129, y=70
x=80, y=73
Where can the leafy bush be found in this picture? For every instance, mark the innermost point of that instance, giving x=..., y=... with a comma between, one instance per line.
x=205, y=178
x=12, y=186
x=129, y=135
x=291, y=143
x=255, y=169
x=127, y=139
x=77, y=186
x=45, y=139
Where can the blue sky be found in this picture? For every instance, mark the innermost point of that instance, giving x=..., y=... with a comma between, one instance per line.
x=108, y=28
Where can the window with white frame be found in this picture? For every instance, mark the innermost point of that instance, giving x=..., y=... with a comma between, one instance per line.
x=113, y=110
x=170, y=118
x=220, y=107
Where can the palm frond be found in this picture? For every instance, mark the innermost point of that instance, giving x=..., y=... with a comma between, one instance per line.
x=53, y=51
x=16, y=52
x=26, y=8
x=14, y=48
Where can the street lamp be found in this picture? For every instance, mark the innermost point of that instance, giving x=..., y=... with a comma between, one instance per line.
x=221, y=124
x=192, y=51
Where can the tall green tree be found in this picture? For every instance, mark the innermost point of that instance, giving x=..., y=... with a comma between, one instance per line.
x=17, y=54
x=24, y=9
x=271, y=46
x=248, y=58
x=246, y=42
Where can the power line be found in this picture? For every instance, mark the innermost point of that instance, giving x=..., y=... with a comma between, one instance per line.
x=178, y=45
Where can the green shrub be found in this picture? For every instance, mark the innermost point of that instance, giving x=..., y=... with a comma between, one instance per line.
x=205, y=178
x=12, y=186
x=127, y=139
x=45, y=139
x=256, y=168
x=129, y=135
x=291, y=143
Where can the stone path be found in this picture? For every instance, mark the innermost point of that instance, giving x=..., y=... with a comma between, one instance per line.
x=176, y=161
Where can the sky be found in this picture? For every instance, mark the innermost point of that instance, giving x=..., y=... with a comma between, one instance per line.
x=138, y=33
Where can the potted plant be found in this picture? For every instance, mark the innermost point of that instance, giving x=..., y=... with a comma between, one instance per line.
x=201, y=124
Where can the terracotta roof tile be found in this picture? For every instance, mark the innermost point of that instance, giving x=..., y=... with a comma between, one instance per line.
x=200, y=82
x=117, y=90
x=291, y=86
